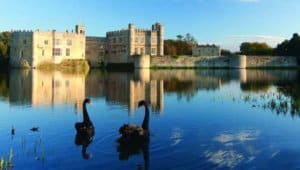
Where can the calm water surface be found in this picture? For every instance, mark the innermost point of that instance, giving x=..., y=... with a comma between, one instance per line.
x=200, y=119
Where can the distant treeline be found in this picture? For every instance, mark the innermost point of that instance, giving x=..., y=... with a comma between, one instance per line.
x=286, y=48
x=4, y=49
x=181, y=46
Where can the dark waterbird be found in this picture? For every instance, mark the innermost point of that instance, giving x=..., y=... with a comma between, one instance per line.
x=135, y=133
x=35, y=129
x=84, y=131
x=135, y=139
x=12, y=131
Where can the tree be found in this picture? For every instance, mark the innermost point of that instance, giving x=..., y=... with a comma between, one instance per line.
x=181, y=46
x=226, y=52
x=190, y=39
x=179, y=37
x=255, y=48
x=289, y=47
x=4, y=48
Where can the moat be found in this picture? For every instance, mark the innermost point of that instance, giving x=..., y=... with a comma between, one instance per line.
x=199, y=119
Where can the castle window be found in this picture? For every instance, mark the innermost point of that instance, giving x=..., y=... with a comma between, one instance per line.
x=57, y=41
x=153, y=51
x=142, y=50
x=46, y=42
x=136, y=51
x=114, y=40
x=68, y=52
x=142, y=40
x=56, y=52
x=136, y=40
x=43, y=52
x=24, y=41
x=69, y=42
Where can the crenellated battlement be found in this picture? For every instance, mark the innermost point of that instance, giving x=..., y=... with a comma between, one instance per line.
x=118, y=32
x=21, y=31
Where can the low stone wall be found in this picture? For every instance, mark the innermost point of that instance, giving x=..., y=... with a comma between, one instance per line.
x=239, y=61
x=271, y=61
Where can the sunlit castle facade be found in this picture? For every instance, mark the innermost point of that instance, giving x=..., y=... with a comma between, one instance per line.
x=32, y=48
x=123, y=44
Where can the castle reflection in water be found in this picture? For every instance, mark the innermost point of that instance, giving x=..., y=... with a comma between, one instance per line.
x=40, y=88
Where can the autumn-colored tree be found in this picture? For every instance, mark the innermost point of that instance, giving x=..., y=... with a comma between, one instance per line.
x=181, y=46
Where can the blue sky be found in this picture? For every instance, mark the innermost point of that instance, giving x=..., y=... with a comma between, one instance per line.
x=223, y=22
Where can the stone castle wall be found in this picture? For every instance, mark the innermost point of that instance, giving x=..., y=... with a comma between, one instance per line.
x=21, y=49
x=95, y=50
x=224, y=61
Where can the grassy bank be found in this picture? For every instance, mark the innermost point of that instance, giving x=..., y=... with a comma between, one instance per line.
x=79, y=66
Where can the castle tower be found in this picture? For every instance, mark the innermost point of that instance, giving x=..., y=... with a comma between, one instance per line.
x=131, y=40
x=80, y=29
x=160, y=38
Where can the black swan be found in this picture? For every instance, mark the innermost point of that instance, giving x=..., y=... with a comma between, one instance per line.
x=135, y=139
x=85, y=131
x=86, y=124
x=134, y=133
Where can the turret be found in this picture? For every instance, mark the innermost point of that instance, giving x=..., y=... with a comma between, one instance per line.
x=131, y=40
x=160, y=38
x=80, y=29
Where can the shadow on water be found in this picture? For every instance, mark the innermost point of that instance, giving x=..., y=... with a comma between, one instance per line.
x=85, y=132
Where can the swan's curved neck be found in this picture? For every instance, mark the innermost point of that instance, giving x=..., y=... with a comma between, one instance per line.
x=145, y=124
x=86, y=117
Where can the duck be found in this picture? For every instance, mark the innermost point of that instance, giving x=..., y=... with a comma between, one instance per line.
x=134, y=133
x=86, y=123
x=35, y=129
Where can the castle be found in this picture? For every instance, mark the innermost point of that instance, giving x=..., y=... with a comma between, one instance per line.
x=34, y=48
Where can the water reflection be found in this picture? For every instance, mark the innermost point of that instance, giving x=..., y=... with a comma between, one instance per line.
x=36, y=87
x=228, y=156
x=238, y=132
x=127, y=89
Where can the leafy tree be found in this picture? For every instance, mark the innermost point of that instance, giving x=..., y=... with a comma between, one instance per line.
x=190, y=39
x=181, y=46
x=289, y=47
x=226, y=52
x=4, y=48
x=255, y=48
x=179, y=37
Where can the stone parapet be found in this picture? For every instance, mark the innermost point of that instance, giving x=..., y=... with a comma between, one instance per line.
x=239, y=62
